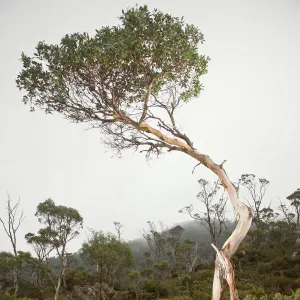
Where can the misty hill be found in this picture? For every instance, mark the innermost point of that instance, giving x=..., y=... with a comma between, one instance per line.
x=193, y=231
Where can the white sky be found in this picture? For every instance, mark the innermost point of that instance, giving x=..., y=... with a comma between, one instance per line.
x=247, y=114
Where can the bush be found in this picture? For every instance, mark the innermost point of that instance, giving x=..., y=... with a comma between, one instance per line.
x=8, y=296
x=75, y=276
x=181, y=298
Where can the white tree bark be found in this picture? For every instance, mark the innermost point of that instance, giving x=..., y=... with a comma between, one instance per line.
x=224, y=271
x=11, y=227
x=57, y=288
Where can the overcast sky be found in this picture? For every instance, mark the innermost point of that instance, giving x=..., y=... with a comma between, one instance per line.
x=247, y=114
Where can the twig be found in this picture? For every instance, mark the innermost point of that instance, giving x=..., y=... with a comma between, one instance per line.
x=196, y=167
x=221, y=165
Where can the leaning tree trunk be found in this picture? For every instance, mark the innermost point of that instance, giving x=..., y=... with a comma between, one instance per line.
x=224, y=271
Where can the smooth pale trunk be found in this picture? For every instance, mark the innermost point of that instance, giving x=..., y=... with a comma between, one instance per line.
x=57, y=288
x=224, y=272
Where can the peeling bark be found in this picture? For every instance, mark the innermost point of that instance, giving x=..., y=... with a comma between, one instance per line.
x=224, y=270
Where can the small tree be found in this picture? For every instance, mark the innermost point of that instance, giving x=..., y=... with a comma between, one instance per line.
x=157, y=242
x=174, y=237
x=213, y=216
x=135, y=278
x=42, y=247
x=62, y=225
x=256, y=189
x=128, y=81
x=294, y=199
x=21, y=265
x=186, y=256
x=118, y=228
x=40, y=243
x=109, y=257
x=157, y=267
x=11, y=226
x=289, y=216
x=6, y=264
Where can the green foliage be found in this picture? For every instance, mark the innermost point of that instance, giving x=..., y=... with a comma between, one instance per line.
x=62, y=223
x=41, y=243
x=180, y=298
x=106, y=249
x=7, y=296
x=109, y=257
x=76, y=276
x=6, y=263
x=266, y=270
x=276, y=296
x=294, y=199
x=147, y=47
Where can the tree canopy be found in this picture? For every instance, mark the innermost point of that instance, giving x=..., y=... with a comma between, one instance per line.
x=122, y=76
x=107, y=253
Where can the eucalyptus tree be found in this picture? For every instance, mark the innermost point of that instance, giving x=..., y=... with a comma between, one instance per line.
x=294, y=199
x=42, y=246
x=128, y=81
x=61, y=225
x=213, y=217
x=110, y=257
x=256, y=188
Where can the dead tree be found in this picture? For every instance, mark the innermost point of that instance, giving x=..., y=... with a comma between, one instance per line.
x=11, y=226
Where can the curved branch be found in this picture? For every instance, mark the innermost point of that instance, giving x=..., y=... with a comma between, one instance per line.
x=244, y=212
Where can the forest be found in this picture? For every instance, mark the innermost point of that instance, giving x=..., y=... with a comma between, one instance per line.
x=173, y=263
x=129, y=82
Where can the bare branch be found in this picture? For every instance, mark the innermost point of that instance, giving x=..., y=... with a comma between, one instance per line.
x=196, y=167
x=222, y=164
